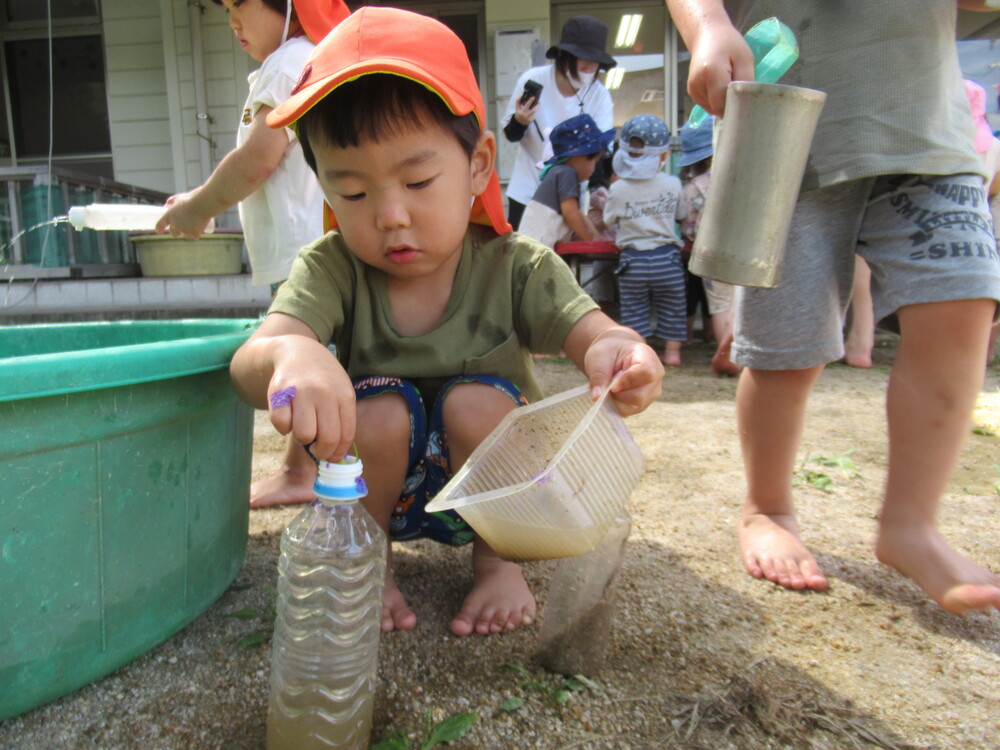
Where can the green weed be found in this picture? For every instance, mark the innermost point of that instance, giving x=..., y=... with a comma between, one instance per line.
x=261, y=635
x=554, y=694
x=449, y=729
x=820, y=479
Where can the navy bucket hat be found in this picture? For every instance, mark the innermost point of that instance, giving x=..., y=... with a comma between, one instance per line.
x=578, y=136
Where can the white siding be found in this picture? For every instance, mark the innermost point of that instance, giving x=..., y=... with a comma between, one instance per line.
x=151, y=101
x=137, y=101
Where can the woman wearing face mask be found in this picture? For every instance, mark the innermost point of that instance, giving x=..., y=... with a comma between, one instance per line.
x=570, y=87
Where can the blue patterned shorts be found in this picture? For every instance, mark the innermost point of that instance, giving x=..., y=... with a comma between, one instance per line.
x=428, y=467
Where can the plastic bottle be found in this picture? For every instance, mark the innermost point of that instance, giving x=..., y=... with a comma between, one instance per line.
x=324, y=656
x=579, y=612
x=130, y=217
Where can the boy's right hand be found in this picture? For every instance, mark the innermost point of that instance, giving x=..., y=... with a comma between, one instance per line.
x=285, y=369
x=312, y=398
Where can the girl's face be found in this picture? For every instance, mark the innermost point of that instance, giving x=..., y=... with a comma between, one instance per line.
x=257, y=27
x=586, y=67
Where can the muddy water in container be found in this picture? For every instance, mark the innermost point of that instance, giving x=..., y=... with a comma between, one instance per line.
x=759, y=161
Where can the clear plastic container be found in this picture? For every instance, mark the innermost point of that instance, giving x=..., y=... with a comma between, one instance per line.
x=579, y=610
x=324, y=655
x=549, y=481
x=129, y=217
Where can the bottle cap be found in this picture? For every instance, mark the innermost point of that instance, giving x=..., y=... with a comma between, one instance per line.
x=77, y=217
x=341, y=481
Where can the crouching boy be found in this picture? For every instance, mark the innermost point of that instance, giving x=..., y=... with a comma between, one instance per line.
x=434, y=307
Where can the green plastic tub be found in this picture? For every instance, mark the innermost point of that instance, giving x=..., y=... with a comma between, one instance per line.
x=124, y=481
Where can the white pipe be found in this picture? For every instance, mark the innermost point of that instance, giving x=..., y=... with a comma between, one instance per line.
x=195, y=11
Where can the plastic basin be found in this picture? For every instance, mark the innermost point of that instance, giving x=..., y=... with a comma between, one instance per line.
x=216, y=254
x=549, y=481
x=125, y=466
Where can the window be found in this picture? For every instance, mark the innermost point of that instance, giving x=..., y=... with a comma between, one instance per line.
x=81, y=133
x=27, y=11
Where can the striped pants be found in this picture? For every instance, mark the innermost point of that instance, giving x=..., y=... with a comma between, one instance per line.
x=653, y=280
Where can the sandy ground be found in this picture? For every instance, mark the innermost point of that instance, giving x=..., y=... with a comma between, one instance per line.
x=702, y=655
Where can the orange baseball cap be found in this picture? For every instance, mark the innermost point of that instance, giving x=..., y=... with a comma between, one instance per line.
x=395, y=42
x=319, y=17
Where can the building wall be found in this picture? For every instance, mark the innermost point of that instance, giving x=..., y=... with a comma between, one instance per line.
x=137, y=94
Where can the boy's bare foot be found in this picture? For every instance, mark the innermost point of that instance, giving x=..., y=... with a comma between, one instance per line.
x=956, y=583
x=396, y=614
x=772, y=549
x=500, y=598
x=288, y=486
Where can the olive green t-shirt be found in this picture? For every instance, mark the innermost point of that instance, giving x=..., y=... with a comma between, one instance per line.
x=512, y=297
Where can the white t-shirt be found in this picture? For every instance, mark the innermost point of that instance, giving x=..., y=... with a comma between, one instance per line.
x=553, y=108
x=286, y=212
x=645, y=211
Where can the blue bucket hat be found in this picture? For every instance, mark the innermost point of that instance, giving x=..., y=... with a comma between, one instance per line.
x=578, y=136
x=651, y=130
x=696, y=143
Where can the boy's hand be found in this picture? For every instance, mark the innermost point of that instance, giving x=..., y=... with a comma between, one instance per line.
x=606, y=352
x=284, y=368
x=719, y=55
x=315, y=403
x=619, y=358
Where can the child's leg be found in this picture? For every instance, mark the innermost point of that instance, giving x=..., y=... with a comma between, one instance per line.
x=383, y=441
x=668, y=288
x=291, y=484
x=935, y=379
x=720, y=303
x=860, y=339
x=991, y=349
x=500, y=598
x=633, y=292
x=770, y=413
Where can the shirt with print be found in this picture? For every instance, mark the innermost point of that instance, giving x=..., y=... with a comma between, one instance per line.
x=646, y=212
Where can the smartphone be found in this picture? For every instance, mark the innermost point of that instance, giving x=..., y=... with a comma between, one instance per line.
x=532, y=89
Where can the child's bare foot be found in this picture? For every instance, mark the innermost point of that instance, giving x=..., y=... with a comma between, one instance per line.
x=772, y=549
x=858, y=353
x=396, y=614
x=500, y=598
x=286, y=487
x=671, y=356
x=956, y=583
x=721, y=363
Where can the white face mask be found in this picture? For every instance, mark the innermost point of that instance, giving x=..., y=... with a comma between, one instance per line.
x=582, y=80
